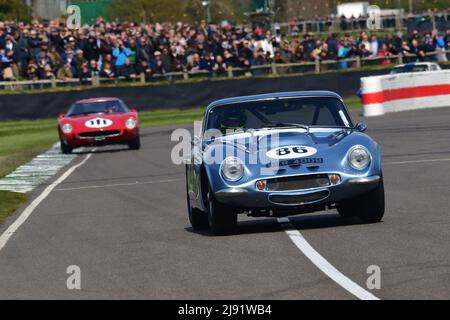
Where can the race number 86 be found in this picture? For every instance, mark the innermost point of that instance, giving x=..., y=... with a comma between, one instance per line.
x=287, y=150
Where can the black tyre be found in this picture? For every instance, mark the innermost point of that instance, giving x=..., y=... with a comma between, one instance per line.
x=65, y=148
x=222, y=218
x=197, y=218
x=135, y=144
x=369, y=207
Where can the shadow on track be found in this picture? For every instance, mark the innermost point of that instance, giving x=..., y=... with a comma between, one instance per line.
x=300, y=222
x=82, y=152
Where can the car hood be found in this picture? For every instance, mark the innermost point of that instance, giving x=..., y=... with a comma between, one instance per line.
x=316, y=150
x=319, y=138
x=95, y=122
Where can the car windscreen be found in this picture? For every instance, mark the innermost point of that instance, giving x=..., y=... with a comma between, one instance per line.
x=109, y=106
x=413, y=68
x=307, y=111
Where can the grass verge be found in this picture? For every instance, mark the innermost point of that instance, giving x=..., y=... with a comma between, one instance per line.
x=10, y=202
x=20, y=141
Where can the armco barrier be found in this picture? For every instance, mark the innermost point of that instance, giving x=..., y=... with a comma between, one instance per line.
x=407, y=91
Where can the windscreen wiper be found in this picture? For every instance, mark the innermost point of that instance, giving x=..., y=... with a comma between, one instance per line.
x=287, y=125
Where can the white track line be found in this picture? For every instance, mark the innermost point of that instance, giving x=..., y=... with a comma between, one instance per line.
x=29, y=210
x=119, y=185
x=417, y=161
x=321, y=263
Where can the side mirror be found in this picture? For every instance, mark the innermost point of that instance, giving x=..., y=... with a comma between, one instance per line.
x=361, y=126
x=133, y=110
x=61, y=115
x=195, y=141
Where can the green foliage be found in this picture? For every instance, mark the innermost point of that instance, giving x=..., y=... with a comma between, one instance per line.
x=147, y=10
x=176, y=10
x=14, y=10
x=9, y=202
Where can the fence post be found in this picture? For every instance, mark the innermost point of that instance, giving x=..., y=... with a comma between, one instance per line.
x=317, y=65
x=274, y=68
x=142, y=77
x=95, y=81
x=400, y=58
x=53, y=80
x=230, y=72
x=185, y=75
x=358, y=61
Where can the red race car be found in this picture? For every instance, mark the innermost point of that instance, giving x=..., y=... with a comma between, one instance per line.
x=98, y=122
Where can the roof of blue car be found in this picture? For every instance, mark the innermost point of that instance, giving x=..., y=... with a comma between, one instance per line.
x=274, y=95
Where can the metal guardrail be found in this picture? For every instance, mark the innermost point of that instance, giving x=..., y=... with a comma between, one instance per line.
x=316, y=66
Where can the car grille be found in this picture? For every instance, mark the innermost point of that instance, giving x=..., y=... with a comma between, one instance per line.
x=297, y=182
x=94, y=134
x=299, y=198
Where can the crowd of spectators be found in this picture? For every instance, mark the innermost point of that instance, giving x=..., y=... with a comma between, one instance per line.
x=109, y=50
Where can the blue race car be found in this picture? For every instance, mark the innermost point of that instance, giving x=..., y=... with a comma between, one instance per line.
x=281, y=154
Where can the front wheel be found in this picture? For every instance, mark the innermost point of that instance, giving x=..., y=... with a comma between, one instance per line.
x=135, y=144
x=369, y=207
x=65, y=148
x=222, y=218
x=197, y=218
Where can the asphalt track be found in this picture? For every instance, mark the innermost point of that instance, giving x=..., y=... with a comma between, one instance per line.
x=121, y=217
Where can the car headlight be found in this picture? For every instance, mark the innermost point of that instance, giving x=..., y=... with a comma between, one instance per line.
x=67, y=128
x=130, y=123
x=359, y=157
x=232, y=169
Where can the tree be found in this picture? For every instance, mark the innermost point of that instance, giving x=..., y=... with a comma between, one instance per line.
x=14, y=10
x=177, y=10
x=147, y=10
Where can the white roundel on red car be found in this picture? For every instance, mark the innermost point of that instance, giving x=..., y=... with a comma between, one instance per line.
x=98, y=123
x=291, y=152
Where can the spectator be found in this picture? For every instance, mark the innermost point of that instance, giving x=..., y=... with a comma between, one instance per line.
x=44, y=66
x=159, y=65
x=55, y=59
x=308, y=45
x=145, y=68
x=107, y=71
x=91, y=50
x=57, y=40
x=128, y=71
x=32, y=70
x=79, y=62
x=83, y=71
x=120, y=54
x=65, y=72
x=206, y=62
x=34, y=45
x=343, y=54
x=374, y=45
x=220, y=67
x=94, y=71
x=155, y=49
x=279, y=58
x=416, y=50
x=267, y=44
x=384, y=52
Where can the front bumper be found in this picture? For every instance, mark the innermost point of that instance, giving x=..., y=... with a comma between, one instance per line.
x=249, y=197
x=122, y=136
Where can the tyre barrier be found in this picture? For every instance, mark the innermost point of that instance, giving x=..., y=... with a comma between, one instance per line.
x=405, y=91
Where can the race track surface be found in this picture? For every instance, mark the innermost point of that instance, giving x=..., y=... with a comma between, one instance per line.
x=121, y=217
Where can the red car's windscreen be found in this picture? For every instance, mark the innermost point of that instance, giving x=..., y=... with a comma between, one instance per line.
x=110, y=106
